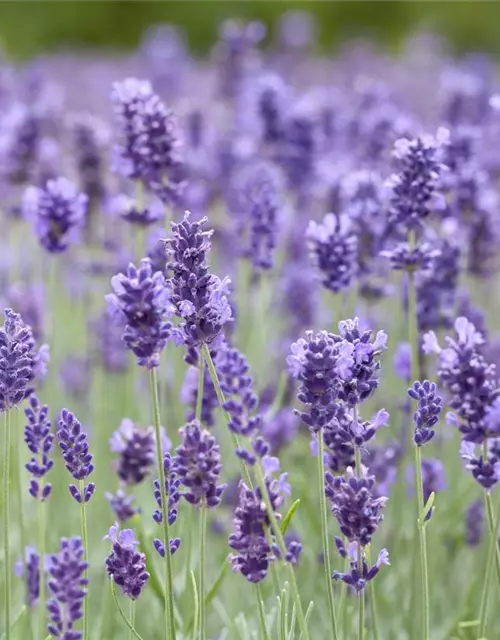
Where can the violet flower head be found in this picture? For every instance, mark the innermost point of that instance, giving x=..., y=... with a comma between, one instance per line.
x=355, y=506
x=197, y=464
x=349, y=429
x=429, y=407
x=74, y=446
x=148, y=139
x=125, y=565
x=40, y=440
x=199, y=297
x=173, y=495
x=30, y=571
x=320, y=363
x=20, y=135
x=405, y=258
x=357, y=577
x=68, y=587
x=18, y=360
x=486, y=471
x=129, y=211
x=141, y=300
x=136, y=448
x=402, y=361
x=339, y=452
x=333, y=249
x=57, y=212
x=414, y=186
x=272, y=96
x=382, y=461
x=122, y=505
x=363, y=379
x=298, y=149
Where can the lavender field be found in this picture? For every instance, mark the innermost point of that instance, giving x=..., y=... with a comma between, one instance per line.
x=248, y=348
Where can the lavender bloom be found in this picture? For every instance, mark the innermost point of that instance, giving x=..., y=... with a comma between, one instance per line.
x=293, y=551
x=339, y=453
x=189, y=395
x=199, y=298
x=141, y=300
x=73, y=443
x=125, y=565
x=39, y=440
x=356, y=577
x=429, y=407
x=333, y=249
x=319, y=362
x=68, y=586
x=58, y=213
x=32, y=578
x=485, y=471
x=74, y=375
x=20, y=134
x=122, y=505
x=349, y=429
x=137, y=451
x=298, y=149
x=272, y=94
x=382, y=462
x=414, y=187
x=148, y=139
x=474, y=523
x=17, y=361
x=28, y=301
x=128, y=209
x=156, y=250
x=405, y=258
x=299, y=297
x=280, y=429
x=492, y=419
x=354, y=505
x=198, y=465
x=172, y=483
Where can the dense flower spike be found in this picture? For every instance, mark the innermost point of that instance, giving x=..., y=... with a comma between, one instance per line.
x=429, y=407
x=414, y=187
x=172, y=483
x=137, y=451
x=18, y=360
x=141, y=300
x=68, y=586
x=30, y=571
x=125, y=565
x=40, y=440
x=73, y=443
x=357, y=577
x=355, y=506
x=148, y=140
x=199, y=297
x=57, y=212
x=333, y=248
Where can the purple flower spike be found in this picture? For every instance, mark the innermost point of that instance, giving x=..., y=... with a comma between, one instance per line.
x=173, y=495
x=18, y=360
x=68, y=586
x=125, y=565
x=358, y=577
x=58, y=213
x=73, y=443
x=485, y=471
x=39, y=440
x=189, y=395
x=141, y=301
x=429, y=407
x=474, y=522
x=32, y=577
x=198, y=465
x=137, y=452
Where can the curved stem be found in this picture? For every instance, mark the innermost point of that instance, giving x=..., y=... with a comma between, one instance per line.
x=324, y=533
x=6, y=522
x=169, y=597
x=203, y=535
x=262, y=614
x=199, y=395
x=83, y=516
x=122, y=614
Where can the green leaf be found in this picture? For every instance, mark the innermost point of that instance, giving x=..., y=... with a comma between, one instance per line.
x=288, y=518
x=211, y=593
x=196, y=605
x=18, y=617
x=428, y=506
x=466, y=624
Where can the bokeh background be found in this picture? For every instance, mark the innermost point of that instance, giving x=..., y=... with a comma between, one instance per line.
x=29, y=28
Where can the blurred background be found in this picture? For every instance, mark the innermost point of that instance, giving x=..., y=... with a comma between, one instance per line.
x=28, y=28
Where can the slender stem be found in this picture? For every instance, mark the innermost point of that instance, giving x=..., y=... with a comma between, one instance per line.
x=41, y=551
x=203, y=535
x=122, y=614
x=6, y=522
x=486, y=586
x=169, y=596
x=262, y=614
x=373, y=600
x=83, y=516
x=493, y=531
x=132, y=619
x=324, y=532
x=199, y=395
x=423, y=543
x=361, y=598
x=265, y=495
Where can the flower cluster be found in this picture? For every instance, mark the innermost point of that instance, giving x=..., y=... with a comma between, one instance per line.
x=73, y=443
x=137, y=451
x=40, y=440
x=429, y=407
x=125, y=565
x=357, y=576
x=122, y=505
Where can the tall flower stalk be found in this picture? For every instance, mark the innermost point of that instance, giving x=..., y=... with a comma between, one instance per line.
x=6, y=522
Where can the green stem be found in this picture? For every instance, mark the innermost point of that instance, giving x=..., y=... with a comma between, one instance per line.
x=41, y=551
x=423, y=543
x=373, y=601
x=203, y=535
x=262, y=614
x=487, y=579
x=132, y=619
x=324, y=533
x=122, y=614
x=361, y=598
x=199, y=395
x=83, y=516
x=169, y=596
x=493, y=531
x=265, y=495
x=6, y=522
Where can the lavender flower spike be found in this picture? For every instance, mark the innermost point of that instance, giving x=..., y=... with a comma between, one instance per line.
x=141, y=300
x=125, y=565
x=173, y=495
x=32, y=578
x=429, y=407
x=73, y=443
x=40, y=440
x=67, y=584
x=357, y=577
